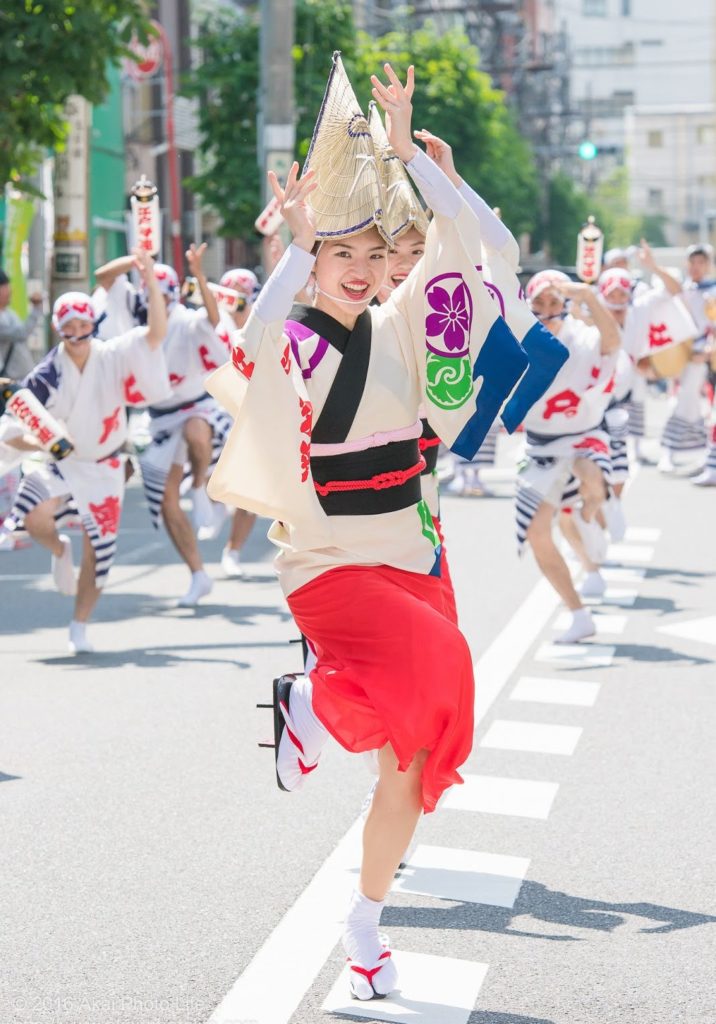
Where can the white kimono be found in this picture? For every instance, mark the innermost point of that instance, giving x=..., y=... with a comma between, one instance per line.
x=193, y=350
x=91, y=405
x=439, y=341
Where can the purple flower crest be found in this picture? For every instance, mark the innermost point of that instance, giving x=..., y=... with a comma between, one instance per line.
x=448, y=325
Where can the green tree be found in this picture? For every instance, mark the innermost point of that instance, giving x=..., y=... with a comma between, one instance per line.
x=227, y=83
x=567, y=210
x=457, y=101
x=50, y=50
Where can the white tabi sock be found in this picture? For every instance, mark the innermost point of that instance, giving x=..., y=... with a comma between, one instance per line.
x=307, y=729
x=372, y=971
x=581, y=627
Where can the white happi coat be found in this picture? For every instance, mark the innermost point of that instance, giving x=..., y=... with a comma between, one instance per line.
x=91, y=405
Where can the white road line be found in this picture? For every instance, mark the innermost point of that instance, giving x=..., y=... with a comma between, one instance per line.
x=509, y=647
x=623, y=598
x=532, y=737
x=489, y=794
x=701, y=630
x=576, y=655
x=642, y=535
x=611, y=624
x=555, y=691
x=287, y=955
x=622, y=574
x=625, y=553
x=466, y=875
x=441, y=990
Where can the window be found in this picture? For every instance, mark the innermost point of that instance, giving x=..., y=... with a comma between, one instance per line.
x=705, y=135
x=655, y=139
x=655, y=198
x=594, y=8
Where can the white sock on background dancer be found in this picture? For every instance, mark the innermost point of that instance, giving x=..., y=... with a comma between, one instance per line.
x=365, y=949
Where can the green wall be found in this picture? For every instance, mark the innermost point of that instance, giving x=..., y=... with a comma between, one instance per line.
x=107, y=196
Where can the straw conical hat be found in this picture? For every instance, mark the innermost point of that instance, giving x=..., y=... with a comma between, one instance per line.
x=349, y=196
x=403, y=209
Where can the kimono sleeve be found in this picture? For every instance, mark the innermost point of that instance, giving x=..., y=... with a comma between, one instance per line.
x=140, y=371
x=468, y=360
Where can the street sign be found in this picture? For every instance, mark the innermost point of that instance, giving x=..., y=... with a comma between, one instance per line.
x=146, y=59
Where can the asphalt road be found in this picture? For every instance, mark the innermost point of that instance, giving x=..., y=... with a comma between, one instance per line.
x=147, y=855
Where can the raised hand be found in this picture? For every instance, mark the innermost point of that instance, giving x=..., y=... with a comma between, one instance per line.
x=440, y=152
x=294, y=208
x=395, y=99
x=646, y=256
x=144, y=262
x=194, y=256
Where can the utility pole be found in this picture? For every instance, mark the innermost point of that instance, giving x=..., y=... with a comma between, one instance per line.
x=276, y=127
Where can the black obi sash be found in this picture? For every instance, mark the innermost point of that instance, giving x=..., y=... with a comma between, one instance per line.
x=428, y=444
x=370, y=482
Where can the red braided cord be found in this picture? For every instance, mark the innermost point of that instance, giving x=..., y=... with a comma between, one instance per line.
x=379, y=482
x=428, y=442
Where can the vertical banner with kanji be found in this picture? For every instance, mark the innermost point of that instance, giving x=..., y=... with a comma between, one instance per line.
x=70, y=264
x=20, y=211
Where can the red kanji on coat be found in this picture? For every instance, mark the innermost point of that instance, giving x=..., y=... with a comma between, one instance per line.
x=175, y=379
x=206, y=361
x=566, y=403
x=132, y=394
x=106, y=515
x=110, y=424
x=242, y=364
x=593, y=444
x=658, y=336
x=306, y=410
x=286, y=359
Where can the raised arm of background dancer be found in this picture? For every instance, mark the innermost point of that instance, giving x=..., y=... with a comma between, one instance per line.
x=108, y=273
x=493, y=231
x=646, y=258
x=600, y=316
x=292, y=271
x=395, y=99
x=194, y=256
x=157, y=308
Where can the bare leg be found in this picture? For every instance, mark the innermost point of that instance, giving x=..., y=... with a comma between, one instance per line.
x=550, y=561
x=197, y=434
x=178, y=526
x=393, y=816
x=87, y=592
x=592, y=487
x=241, y=526
x=40, y=524
x=618, y=489
x=574, y=539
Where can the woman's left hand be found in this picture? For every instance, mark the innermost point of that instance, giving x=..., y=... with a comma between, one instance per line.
x=395, y=99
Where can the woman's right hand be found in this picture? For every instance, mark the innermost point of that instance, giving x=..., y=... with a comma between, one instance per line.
x=440, y=152
x=294, y=208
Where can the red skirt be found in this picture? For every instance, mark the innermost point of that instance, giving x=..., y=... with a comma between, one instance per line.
x=392, y=668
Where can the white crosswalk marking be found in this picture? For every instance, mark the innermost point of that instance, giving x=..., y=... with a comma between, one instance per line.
x=702, y=630
x=464, y=875
x=576, y=655
x=625, y=553
x=642, y=534
x=534, y=737
x=605, y=624
x=441, y=991
x=489, y=794
x=555, y=691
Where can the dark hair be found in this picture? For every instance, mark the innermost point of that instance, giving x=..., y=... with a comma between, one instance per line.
x=4, y=279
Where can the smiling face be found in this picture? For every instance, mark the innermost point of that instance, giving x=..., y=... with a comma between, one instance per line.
x=407, y=250
x=699, y=267
x=77, y=335
x=349, y=273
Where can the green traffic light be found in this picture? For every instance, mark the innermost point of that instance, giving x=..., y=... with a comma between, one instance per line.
x=587, y=150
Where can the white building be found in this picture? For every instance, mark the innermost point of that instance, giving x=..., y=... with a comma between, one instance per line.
x=671, y=160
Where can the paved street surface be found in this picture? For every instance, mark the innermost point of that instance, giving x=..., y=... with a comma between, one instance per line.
x=152, y=871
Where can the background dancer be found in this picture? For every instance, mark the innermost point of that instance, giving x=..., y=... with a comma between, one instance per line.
x=564, y=439
x=82, y=382
x=189, y=428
